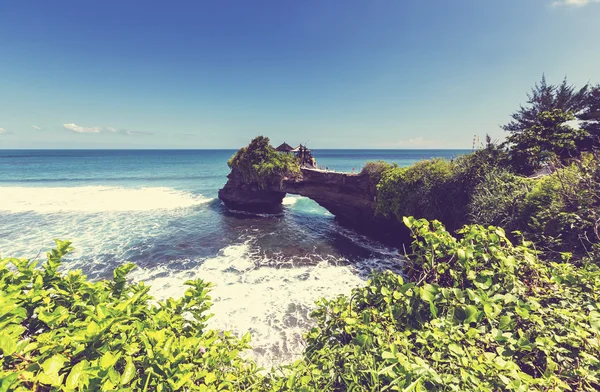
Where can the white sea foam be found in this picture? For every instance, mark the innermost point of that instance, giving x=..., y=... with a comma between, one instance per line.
x=94, y=199
x=271, y=298
x=289, y=200
x=273, y=304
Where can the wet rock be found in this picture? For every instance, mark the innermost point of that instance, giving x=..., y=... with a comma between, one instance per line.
x=350, y=197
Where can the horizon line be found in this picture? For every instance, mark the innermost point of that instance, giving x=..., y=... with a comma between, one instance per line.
x=210, y=149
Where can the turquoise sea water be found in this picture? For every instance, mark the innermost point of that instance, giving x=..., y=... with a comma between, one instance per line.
x=159, y=209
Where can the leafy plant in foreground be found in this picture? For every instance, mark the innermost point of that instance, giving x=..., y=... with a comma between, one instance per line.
x=477, y=314
x=63, y=333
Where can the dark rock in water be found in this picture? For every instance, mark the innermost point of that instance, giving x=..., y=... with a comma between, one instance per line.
x=350, y=197
x=246, y=199
x=237, y=194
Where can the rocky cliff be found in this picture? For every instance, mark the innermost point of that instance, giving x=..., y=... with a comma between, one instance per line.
x=350, y=197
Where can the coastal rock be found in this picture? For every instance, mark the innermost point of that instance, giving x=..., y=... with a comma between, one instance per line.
x=350, y=197
x=238, y=195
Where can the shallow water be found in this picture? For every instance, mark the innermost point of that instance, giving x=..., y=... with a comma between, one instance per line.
x=159, y=210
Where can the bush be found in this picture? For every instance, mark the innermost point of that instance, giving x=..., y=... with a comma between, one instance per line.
x=375, y=170
x=415, y=190
x=562, y=211
x=436, y=188
x=498, y=198
x=61, y=332
x=260, y=165
x=479, y=314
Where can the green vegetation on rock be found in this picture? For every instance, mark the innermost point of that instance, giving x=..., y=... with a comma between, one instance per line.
x=559, y=211
x=260, y=165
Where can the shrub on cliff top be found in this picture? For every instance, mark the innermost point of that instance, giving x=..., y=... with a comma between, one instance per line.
x=560, y=212
x=259, y=164
x=424, y=189
x=374, y=170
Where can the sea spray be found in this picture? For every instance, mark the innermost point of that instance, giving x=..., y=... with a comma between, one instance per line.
x=271, y=303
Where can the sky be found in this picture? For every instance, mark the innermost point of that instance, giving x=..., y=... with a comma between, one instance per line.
x=330, y=73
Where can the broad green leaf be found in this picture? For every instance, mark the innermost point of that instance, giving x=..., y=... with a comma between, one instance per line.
x=76, y=375
x=108, y=360
x=210, y=378
x=7, y=381
x=50, y=369
x=129, y=371
x=8, y=345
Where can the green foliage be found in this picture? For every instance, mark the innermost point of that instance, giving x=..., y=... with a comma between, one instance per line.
x=260, y=165
x=478, y=314
x=590, y=115
x=562, y=212
x=414, y=190
x=550, y=138
x=436, y=188
x=547, y=98
x=375, y=170
x=559, y=212
x=498, y=199
x=61, y=332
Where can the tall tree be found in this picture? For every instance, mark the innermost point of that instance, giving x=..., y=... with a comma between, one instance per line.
x=546, y=97
x=551, y=138
x=590, y=117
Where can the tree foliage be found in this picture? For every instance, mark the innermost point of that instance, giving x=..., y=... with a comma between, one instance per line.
x=591, y=118
x=260, y=164
x=546, y=98
x=549, y=138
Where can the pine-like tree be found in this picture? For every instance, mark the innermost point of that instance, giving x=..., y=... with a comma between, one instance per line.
x=590, y=117
x=546, y=98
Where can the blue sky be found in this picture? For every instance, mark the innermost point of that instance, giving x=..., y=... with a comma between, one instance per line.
x=340, y=74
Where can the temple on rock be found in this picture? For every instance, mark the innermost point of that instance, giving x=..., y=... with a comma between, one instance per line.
x=285, y=147
x=304, y=155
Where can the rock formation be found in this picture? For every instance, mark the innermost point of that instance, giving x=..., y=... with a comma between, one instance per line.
x=350, y=197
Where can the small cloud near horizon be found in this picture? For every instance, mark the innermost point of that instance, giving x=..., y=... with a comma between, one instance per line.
x=37, y=128
x=127, y=132
x=574, y=3
x=415, y=142
x=2, y=130
x=79, y=129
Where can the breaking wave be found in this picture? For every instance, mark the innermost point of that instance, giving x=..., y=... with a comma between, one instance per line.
x=94, y=199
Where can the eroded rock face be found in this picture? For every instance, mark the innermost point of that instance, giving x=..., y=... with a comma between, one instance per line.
x=347, y=196
x=351, y=198
x=238, y=195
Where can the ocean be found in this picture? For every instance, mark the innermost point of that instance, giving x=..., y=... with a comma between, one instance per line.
x=159, y=209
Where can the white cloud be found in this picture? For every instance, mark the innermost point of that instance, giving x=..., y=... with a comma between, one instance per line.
x=574, y=3
x=136, y=133
x=416, y=142
x=2, y=130
x=37, y=128
x=79, y=129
